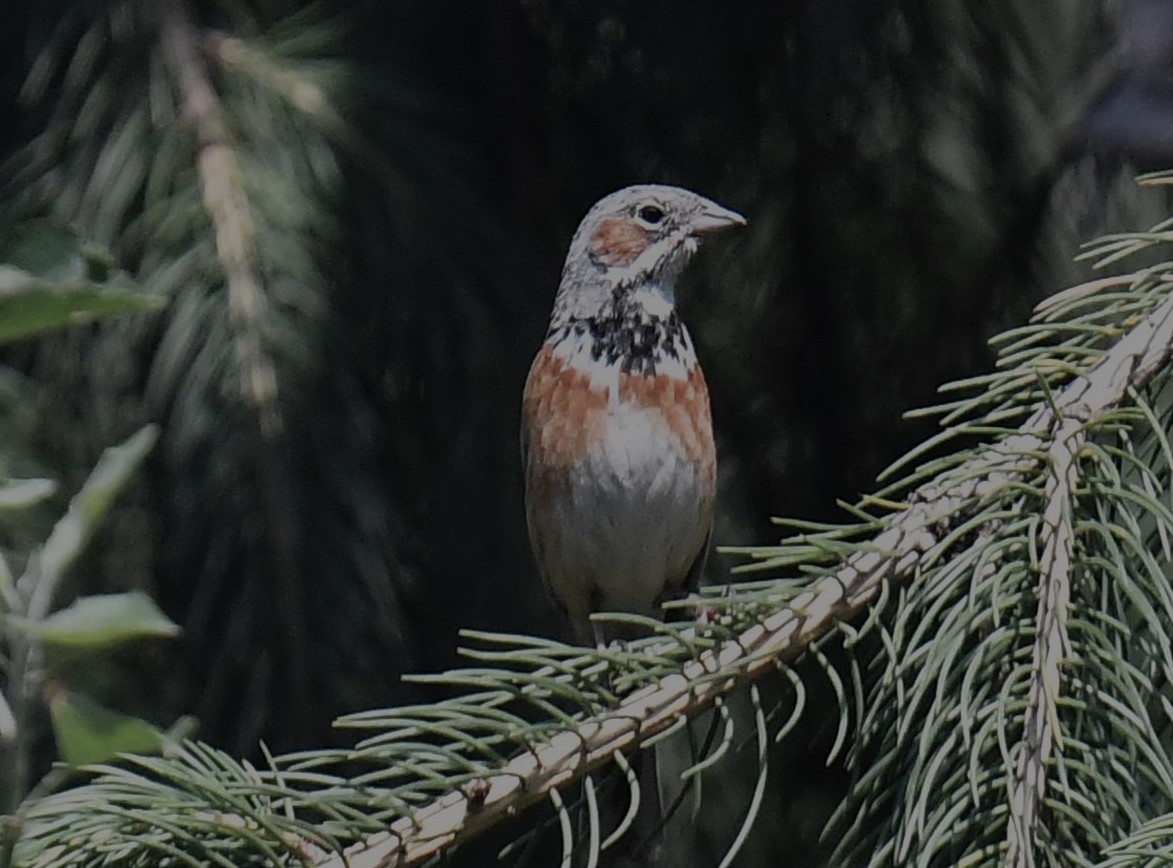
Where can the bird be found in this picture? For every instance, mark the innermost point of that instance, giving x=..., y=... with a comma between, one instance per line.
x=617, y=441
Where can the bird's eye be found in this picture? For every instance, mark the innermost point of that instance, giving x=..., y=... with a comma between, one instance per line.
x=650, y=214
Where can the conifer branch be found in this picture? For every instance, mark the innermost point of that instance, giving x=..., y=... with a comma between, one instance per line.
x=534, y=773
x=1041, y=728
x=228, y=208
x=227, y=204
x=933, y=511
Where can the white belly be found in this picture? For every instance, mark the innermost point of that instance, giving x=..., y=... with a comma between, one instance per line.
x=634, y=519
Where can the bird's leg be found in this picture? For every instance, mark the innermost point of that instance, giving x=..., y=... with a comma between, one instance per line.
x=707, y=614
x=600, y=639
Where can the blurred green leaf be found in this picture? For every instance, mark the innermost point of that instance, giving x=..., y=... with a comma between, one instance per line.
x=30, y=305
x=101, y=620
x=89, y=505
x=19, y=493
x=87, y=732
x=49, y=279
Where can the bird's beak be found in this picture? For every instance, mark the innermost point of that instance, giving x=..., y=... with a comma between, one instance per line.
x=713, y=218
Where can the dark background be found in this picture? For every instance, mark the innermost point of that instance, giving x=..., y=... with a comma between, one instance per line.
x=916, y=175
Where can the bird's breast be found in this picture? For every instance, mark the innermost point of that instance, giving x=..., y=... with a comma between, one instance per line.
x=620, y=477
x=576, y=406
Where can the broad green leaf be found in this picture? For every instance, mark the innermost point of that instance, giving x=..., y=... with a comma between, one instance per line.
x=88, y=732
x=19, y=493
x=89, y=506
x=99, y=621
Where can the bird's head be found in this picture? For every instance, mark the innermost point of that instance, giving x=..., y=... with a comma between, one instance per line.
x=637, y=241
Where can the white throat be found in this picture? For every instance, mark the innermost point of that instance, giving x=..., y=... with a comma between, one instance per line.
x=656, y=299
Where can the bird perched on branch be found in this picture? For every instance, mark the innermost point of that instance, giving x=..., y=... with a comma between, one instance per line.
x=617, y=439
